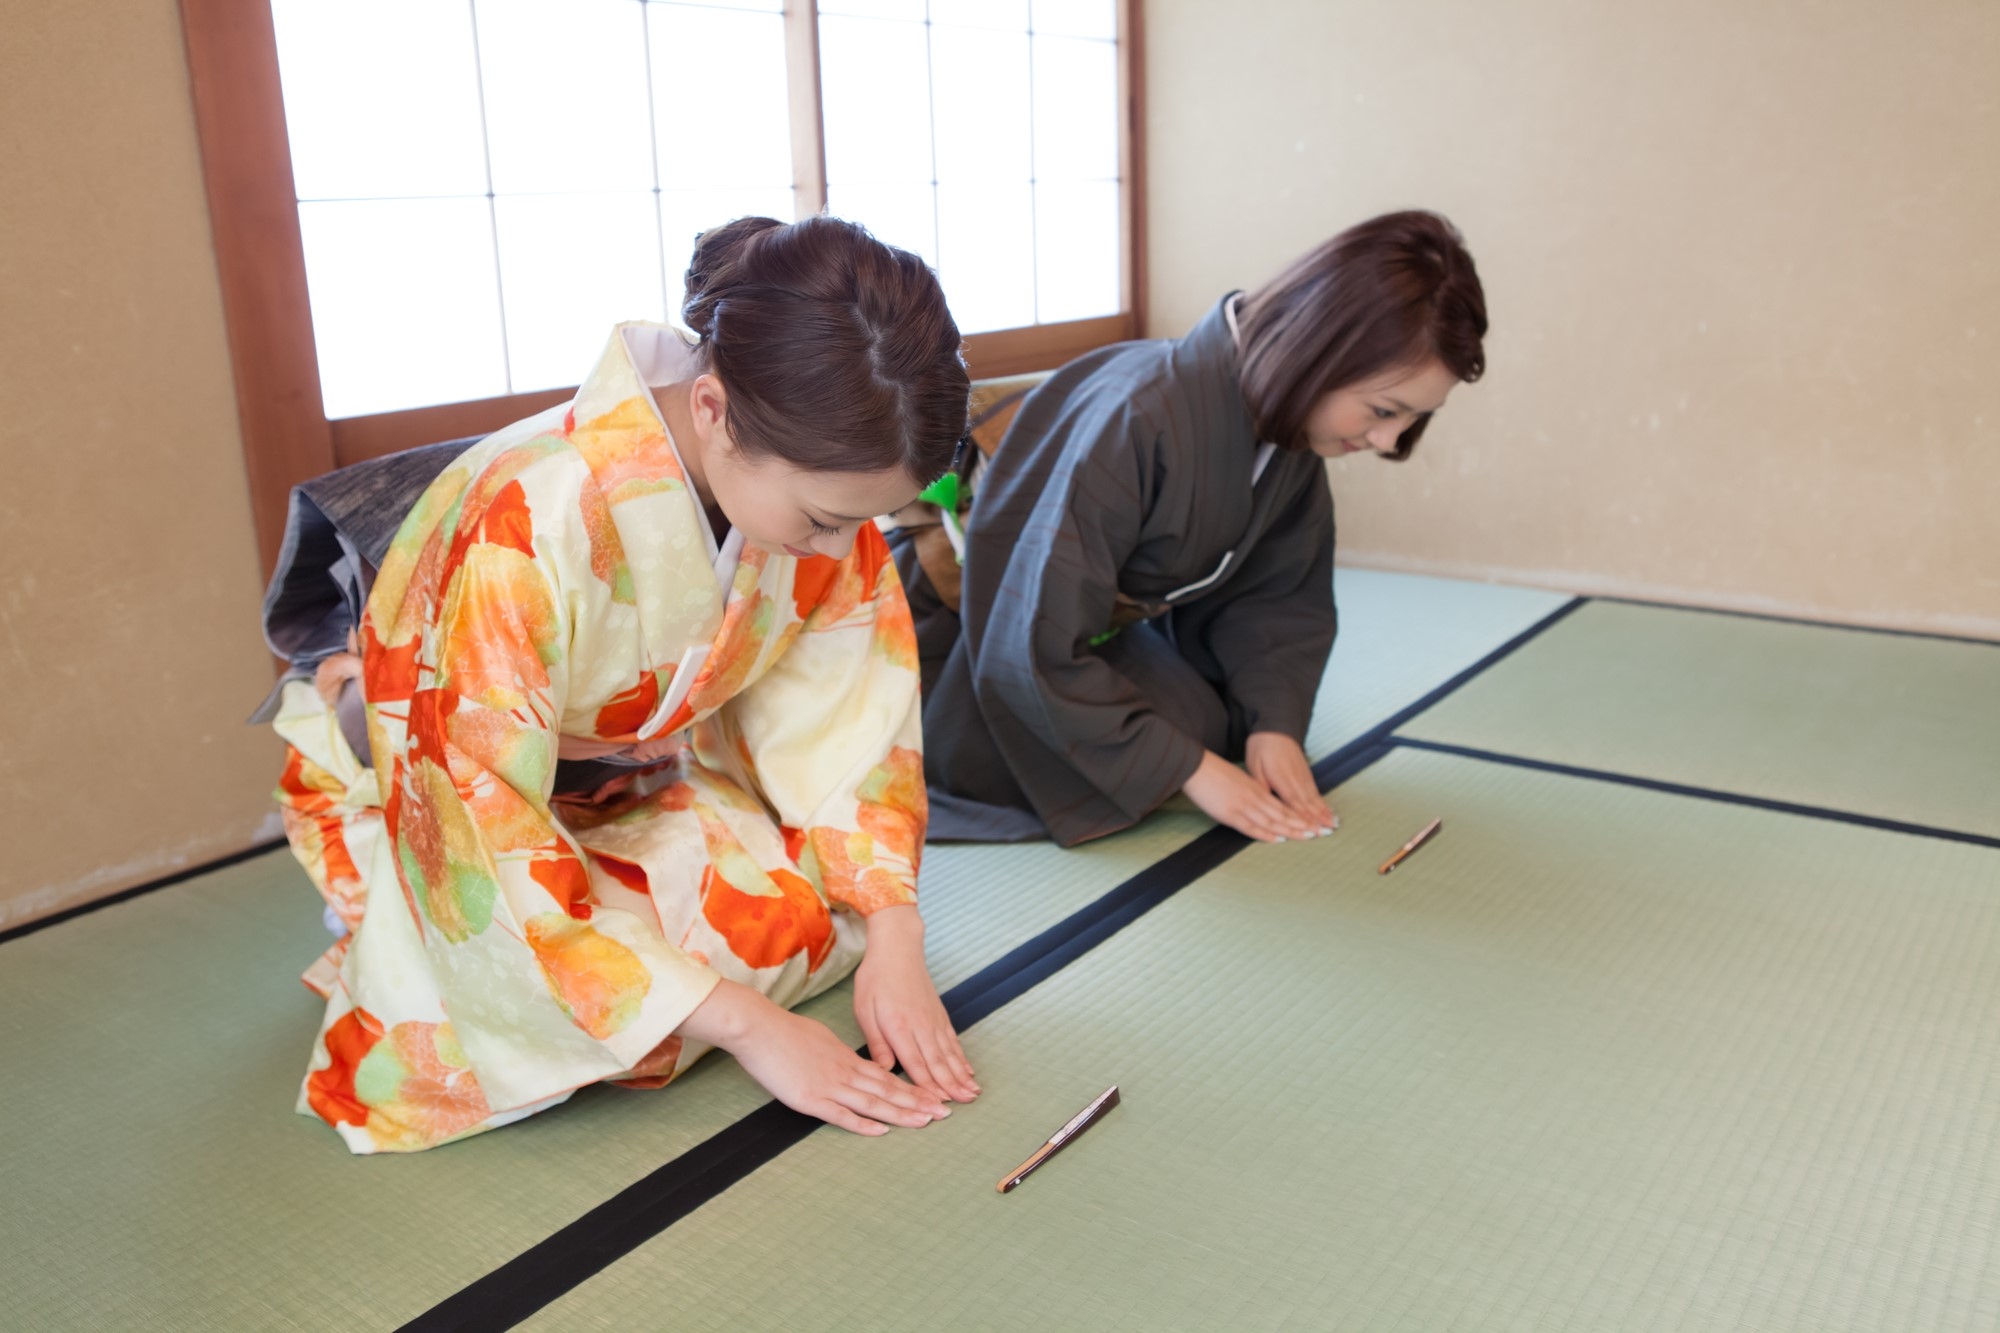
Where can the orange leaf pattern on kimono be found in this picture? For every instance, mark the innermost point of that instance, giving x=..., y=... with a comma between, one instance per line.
x=418, y=1089
x=330, y=1091
x=598, y=981
x=545, y=590
x=895, y=628
x=895, y=805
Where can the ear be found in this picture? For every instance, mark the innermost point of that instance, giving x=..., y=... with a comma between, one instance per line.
x=708, y=403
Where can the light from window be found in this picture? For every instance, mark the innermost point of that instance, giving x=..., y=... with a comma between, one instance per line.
x=486, y=186
x=983, y=135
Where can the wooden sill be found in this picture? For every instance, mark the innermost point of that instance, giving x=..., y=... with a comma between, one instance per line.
x=990, y=355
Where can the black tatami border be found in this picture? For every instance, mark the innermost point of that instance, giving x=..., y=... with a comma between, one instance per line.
x=250, y=853
x=1699, y=793
x=569, y=1257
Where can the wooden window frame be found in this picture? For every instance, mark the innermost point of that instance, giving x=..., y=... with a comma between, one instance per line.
x=246, y=158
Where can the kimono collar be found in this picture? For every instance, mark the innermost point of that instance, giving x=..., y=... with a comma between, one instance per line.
x=1207, y=365
x=670, y=573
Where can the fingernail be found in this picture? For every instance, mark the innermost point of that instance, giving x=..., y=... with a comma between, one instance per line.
x=1279, y=838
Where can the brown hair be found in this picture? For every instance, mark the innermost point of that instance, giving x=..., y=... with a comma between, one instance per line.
x=1394, y=291
x=837, y=351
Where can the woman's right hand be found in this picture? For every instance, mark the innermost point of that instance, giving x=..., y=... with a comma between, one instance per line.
x=1228, y=795
x=803, y=1065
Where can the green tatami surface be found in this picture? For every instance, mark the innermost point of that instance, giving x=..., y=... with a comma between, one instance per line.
x=157, y=1048
x=1897, y=727
x=156, y=1176
x=1402, y=636
x=1597, y=1058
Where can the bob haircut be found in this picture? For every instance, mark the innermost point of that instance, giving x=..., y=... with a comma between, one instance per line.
x=1391, y=292
x=837, y=352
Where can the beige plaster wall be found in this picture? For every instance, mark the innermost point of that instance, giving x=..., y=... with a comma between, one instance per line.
x=1743, y=262
x=129, y=650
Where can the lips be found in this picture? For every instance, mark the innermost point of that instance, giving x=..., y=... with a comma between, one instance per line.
x=796, y=553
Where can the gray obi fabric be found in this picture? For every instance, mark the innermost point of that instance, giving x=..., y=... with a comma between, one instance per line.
x=337, y=530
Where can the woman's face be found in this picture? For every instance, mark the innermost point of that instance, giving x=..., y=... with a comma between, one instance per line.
x=777, y=506
x=1374, y=413
x=783, y=509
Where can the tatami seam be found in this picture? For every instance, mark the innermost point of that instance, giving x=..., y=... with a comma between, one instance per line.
x=250, y=853
x=1878, y=822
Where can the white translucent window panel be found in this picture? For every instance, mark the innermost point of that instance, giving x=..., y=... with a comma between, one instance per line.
x=909, y=10
x=565, y=88
x=899, y=215
x=1076, y=249
x=381, y=97
x=876, y=100
x=404, y=304
x=981, y=106
x=1076, y=109
x=761, y=6
x=986, y=254
x=685, y=214
x=1008, y=15
x=719, y=97
x=571, y=266
x=1077, y=18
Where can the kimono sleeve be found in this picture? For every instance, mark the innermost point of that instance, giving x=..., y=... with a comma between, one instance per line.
x=1036, y=670
x=547, y=987
x=832, y=731
x=1272, y=627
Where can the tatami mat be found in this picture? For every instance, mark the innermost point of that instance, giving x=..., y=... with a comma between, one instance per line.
x=157, y=1047
x=153, y=1054
x=1403, y=635
x=1897, y=727
x=1597, y=1058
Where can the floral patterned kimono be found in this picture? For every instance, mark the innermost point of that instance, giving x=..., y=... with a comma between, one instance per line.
x=557, y=593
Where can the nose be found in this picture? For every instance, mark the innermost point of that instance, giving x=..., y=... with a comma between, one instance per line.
x=1383, y=438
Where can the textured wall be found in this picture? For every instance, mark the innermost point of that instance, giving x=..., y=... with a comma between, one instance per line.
x=1743, y=263
x=129, y=651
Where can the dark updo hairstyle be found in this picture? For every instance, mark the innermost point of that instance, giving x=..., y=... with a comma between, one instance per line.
x=837, y=351
x=1391, y=292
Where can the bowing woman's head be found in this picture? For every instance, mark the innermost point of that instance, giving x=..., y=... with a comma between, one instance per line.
x=1358, y=344
x=832, y=386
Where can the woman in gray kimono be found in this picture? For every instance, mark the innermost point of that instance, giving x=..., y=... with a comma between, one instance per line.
x=1147, y=594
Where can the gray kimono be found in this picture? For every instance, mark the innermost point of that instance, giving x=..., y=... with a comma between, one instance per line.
x=1130, y=598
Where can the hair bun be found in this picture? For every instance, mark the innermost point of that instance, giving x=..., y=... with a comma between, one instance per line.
x=719, y=262
x=838, y=352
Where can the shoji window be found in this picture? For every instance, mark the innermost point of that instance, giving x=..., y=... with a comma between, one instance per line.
x=992, y=151
x=428, y=213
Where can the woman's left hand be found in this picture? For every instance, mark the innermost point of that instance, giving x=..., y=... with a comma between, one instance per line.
x=899, y=1010
x=1280, y=763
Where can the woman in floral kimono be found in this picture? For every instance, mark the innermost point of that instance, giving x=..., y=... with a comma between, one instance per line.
x=641, y=766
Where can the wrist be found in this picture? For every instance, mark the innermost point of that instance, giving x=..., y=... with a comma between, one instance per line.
x=896, y=930
x=1205, y=770
x=730, y=1014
